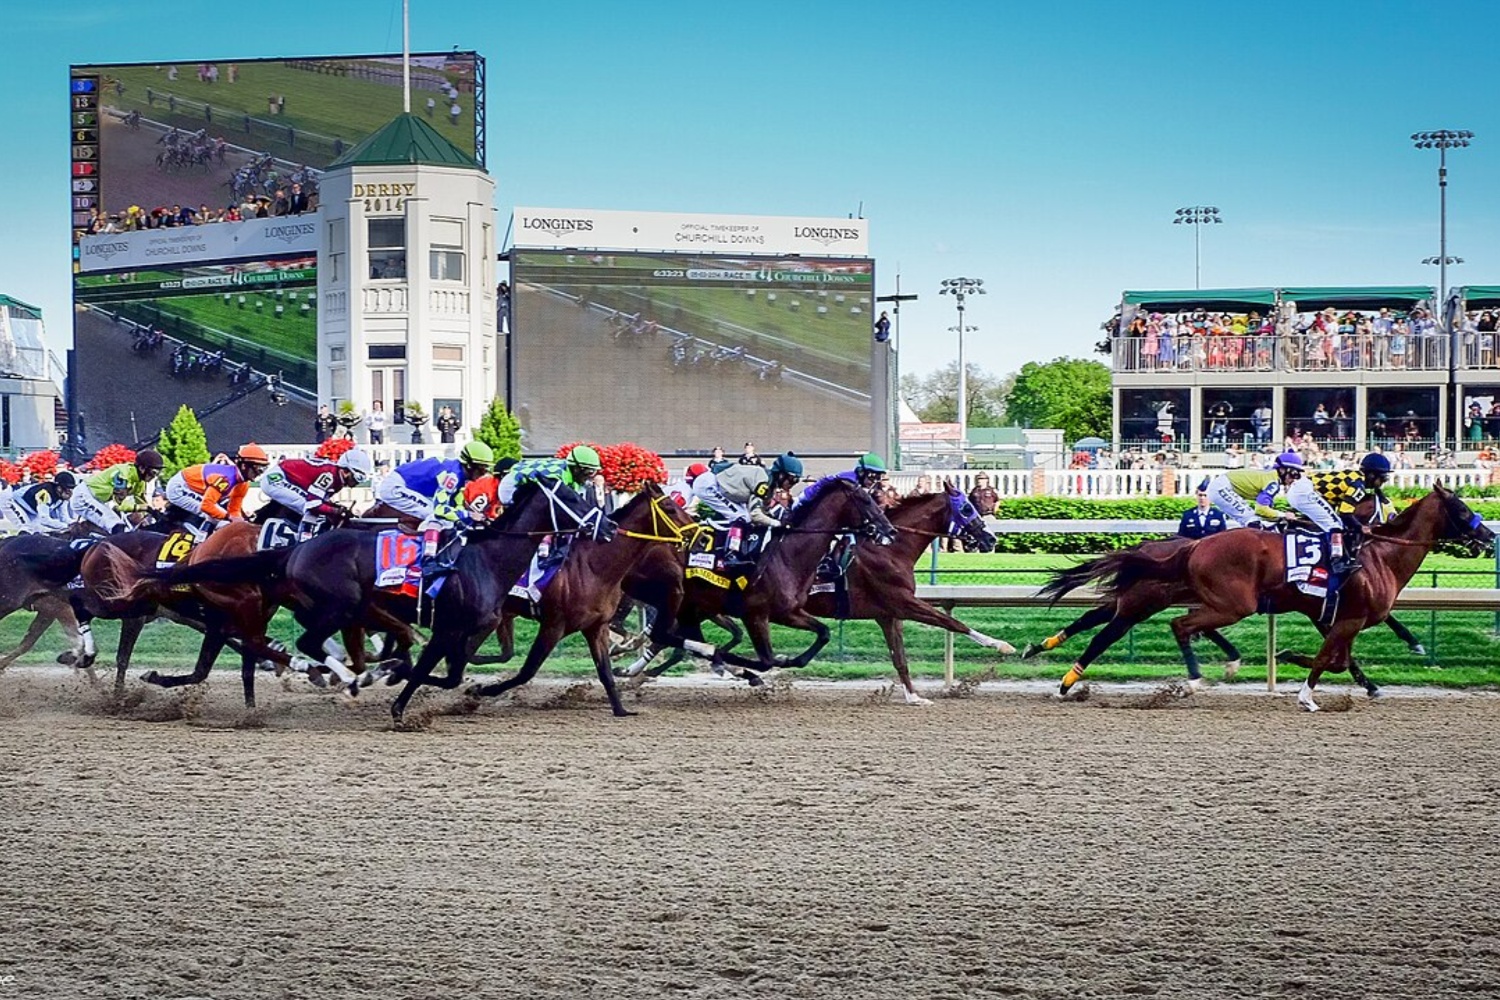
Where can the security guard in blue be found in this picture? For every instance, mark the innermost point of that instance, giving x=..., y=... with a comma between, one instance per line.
x=1202, y=520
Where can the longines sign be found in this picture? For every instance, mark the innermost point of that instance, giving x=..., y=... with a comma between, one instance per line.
x=290, y=234
x=590, y=229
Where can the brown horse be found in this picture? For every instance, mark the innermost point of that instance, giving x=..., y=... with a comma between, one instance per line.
x=35, y=571
x=584, y=594
x=121, y=581
x=1230, y=576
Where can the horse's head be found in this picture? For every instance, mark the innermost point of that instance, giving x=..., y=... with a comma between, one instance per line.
x=843, y=506
x=650, y=516
x=966, y=522
x=552, y=507
x=1462, y=523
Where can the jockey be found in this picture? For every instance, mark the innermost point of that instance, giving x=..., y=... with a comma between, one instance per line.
x=130, y=479
x=740, y=493
x=1246, y=495
x=301, y=488
x=44, y=506
x=1346, y=490
x=209, y=495
x=481, y=500
x=581, y=465
x=680, y=491
x=866, y=474
x=432, y=487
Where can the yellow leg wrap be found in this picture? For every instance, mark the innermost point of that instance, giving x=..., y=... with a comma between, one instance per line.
x=1073, y=676
x=1053, y=641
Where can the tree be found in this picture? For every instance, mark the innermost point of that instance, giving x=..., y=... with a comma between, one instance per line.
x=935, y=396
x=500, y=430
x=182, y=443
x=1068, y=393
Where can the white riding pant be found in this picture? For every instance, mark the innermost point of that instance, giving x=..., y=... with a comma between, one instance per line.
x=283, y=493
x=179, y=495
x=84, y=506
x=393, y=491
x=1235, y=507
x=1306, y=500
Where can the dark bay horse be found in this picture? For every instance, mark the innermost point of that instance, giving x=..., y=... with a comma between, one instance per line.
x=584, y=594
x=35, y=571
x=1231, y=575
x=783, y=578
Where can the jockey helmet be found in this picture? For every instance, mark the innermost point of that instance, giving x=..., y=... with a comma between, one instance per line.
x=251, y=453
x=120, y=484
x=695, y=470
x=787, y=464
x=1289, y=460
x=585, y=459
x=358, y=462
x=148, y=460
x=64, y=480
x=504, y=465
x=870, y=462
x=1375, y=464
x=476, y=453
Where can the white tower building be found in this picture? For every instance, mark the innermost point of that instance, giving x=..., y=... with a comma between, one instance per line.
x=406, y=279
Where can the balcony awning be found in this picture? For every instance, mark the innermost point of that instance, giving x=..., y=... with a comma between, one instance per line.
x=1214, y=299
x=1311, y=299
x=1480, y=296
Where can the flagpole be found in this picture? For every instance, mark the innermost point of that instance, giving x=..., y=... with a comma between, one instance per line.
x=406, y=56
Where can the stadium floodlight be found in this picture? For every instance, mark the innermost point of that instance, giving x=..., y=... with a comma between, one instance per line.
x=959, y=288
x=1442, y=140
x=1442, y=260
x=1197, y=216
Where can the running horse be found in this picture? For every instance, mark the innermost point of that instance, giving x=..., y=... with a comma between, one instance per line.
x=1232, y=575
x=584, y=594
x=121, y=581
x=1145, y=600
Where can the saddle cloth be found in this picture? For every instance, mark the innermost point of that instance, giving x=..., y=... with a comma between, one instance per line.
x=540, y=573
x=1307, y=562
x=175, y=549
x=395, y=554
x=708, y=548
x=276, y=533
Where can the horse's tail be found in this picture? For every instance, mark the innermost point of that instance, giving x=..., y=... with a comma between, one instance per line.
x=258, y=568
x=1117, y=572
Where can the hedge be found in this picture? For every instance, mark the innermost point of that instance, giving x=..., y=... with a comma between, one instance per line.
x=1134, y=509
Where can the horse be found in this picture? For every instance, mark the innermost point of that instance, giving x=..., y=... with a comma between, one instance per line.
x=584, y=594
x=35, y=571
x=121, y=580
x=1148, y=598
x=778, y=588
x=1231, y=575
x=470, y=604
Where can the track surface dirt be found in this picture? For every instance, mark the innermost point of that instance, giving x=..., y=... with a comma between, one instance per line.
x=725, y=843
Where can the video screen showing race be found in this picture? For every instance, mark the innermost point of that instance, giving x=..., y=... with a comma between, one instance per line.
x=215, y=139
x=691, y=352
x=240, y=335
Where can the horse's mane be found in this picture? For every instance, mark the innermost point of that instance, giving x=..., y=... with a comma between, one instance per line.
x=1404, y=516
x=801, y=512
x=906, y=504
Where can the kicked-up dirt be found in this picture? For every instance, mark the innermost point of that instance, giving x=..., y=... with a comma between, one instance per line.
x=725, y=843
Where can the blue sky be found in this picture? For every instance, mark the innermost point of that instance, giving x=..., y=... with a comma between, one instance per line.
x=1040, y=147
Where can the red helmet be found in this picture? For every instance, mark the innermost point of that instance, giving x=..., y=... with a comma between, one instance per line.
x=696, y=469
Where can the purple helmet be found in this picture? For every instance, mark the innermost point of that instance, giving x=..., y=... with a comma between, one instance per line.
x=1290, y=460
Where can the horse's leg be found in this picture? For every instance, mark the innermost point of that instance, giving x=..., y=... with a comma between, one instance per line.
x=1333, y=655
x=728, y=624
x=431, y=653
x=1090, y=619
x=895, y=641
x=1106, y=637
x=1229, y=649
x=1406, y=635
x=598, y=638
x=130, y=631
x=318, y=627
x=759, y=629
x=1196, y=622
x=45, y=616
x=505, y=635
x=548, y=634
x=909, y=607
x=213, y=644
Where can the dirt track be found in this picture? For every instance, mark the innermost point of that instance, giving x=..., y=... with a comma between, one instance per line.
x=722, y=844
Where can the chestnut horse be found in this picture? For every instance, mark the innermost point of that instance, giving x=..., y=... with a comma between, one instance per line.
x=1232, y=575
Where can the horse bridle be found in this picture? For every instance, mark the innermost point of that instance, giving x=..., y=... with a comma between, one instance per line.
x=660, y=521
x=1464, y=529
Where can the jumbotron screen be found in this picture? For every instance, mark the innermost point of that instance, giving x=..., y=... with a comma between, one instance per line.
x=680, y=352
x=208, y=134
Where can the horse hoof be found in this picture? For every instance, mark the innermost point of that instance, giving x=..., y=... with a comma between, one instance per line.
x=316, y=679
x=1376, y=693
x=1417, y=649
x=66, y=657
x=1285, y=656
x=151, y=677
x=1031, y=650
x=1004, y=648
x=1230, y=669
x=754, y=679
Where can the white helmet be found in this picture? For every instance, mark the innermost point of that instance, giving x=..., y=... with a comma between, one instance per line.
x=357, y=462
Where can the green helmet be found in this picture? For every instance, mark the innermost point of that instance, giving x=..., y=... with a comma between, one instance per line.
x=585, y=458
x=787, y=464
x=476, y=453
x=870, y=462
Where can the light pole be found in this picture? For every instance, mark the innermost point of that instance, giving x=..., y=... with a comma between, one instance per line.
x=1197, y=216
x=959, y=288
x=1442, y=140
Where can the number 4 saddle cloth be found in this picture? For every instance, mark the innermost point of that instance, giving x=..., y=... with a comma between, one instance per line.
x=1307, y=562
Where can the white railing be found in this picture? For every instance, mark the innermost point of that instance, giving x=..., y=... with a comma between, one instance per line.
x=1427, y=478
x=1103, y=482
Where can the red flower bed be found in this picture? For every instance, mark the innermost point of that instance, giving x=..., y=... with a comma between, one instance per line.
x=627, y=467
x=41, y=464
x=10, y=471
x=333, y=448
x=110, y=454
